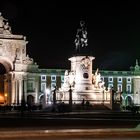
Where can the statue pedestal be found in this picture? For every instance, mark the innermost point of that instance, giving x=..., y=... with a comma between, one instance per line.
x=85, y=85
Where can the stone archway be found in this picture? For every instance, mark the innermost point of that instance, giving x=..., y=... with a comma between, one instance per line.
x=15, y=63
x=6, y=65
x=41, y=98
x=128, y=101
x=5, y=81
x=2, y=72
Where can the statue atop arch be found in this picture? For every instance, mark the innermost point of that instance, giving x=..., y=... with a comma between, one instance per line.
x=2, y=19
x=81, y=37
x=4, y=25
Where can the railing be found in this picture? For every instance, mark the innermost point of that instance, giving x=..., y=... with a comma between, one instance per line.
x=80, y=101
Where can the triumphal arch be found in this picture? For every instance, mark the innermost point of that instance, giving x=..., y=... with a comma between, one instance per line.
x=15, y=67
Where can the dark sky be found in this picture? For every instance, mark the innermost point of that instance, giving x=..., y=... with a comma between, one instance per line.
x=50, y=27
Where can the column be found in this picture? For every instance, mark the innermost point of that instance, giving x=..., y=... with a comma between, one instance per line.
x=25, y=89
x=13, y=91
x=20, y=90
x=36, y=91
x=15, y=97
x=17, y=91
x=11, y=86
x=6, y=94
x=23, y=103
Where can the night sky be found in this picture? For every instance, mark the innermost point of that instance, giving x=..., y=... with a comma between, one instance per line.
x=50, y=27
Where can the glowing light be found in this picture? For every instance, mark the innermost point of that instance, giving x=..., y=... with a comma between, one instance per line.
x=1, y=97
x=5, y=94
x=47, y=91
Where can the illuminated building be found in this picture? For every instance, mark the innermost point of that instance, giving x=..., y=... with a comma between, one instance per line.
x=20, y=75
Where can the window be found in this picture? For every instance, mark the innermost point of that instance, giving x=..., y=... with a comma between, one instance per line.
x=43, y=87
x=53, y=85
x=128, y=79
x=119, y=87
x=110, y=86
x=119, y=79
x=53, y=78
x=30, y=86
x=110, y=79
x=43, y=77
x=128, y=88
x=62, y=78
x=62, y=84
x=102, y=78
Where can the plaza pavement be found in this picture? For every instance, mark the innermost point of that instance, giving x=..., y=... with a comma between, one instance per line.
x=80, y=125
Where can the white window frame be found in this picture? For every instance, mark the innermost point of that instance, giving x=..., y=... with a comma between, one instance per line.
x=62, y=78
x=128, y=81
x=110, y=86
x=53, y=84
x=43, y=77
x=53, y=77
x=43, y=87
x=118, y=87
x=130, y=87
x=62, y=84
x=111, y=81
x=119, y=79
x=102, y=78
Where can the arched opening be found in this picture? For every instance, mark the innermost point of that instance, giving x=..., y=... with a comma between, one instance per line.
x=3, y=85
x=30, y=100
x=2, y=69
x=128, y=101
x=42, y=99
x=5, y=81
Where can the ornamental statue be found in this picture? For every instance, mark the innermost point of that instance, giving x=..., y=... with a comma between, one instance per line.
x=81, y=37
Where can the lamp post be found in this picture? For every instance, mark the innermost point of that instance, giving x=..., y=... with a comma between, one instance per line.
x=54, y=96
x=70, y=97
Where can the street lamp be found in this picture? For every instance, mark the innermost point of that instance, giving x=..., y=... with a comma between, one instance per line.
x=5, y=97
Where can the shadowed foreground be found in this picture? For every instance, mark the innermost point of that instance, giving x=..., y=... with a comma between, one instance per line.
x=73, y=125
